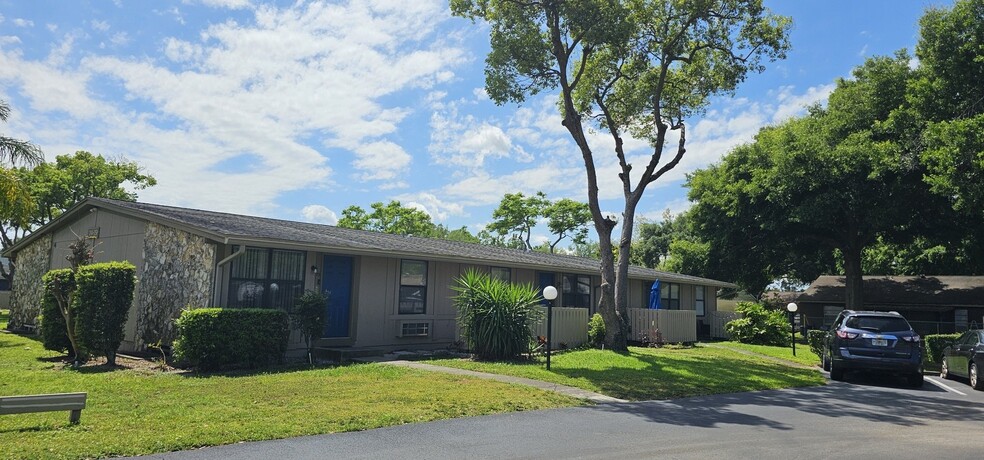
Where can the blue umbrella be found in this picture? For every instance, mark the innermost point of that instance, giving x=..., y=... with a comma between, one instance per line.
x=654, y=297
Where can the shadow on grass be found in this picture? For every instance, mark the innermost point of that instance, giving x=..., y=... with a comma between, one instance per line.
x=837, y=400
x=249, y=372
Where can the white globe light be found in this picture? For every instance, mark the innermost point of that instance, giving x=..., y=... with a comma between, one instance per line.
x=549, y=293
x=791, y=307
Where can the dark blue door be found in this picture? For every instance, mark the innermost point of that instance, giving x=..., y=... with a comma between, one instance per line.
x=337, y=279
x=546, y=279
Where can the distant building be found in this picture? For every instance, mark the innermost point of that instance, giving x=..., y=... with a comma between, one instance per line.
x=932, y=304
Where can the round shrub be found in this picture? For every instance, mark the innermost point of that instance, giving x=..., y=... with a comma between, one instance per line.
x=759, y=325
x=936, y=343
x=596, y=330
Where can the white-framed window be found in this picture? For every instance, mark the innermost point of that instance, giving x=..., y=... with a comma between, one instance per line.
x=413, y=287
x=699, y=303
x=502, y=274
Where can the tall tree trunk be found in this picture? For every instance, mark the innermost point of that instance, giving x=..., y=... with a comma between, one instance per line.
x=854, y=281
x=615, y=337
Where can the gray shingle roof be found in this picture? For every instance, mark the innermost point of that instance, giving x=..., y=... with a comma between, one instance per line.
x=902, y=290
x=328, y=237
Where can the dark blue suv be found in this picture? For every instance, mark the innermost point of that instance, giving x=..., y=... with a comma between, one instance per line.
x=874, y=341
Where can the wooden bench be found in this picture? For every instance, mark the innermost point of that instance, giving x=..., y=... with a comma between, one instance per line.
x=74, y=402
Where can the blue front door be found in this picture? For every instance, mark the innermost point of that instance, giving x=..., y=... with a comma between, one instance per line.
x=337, y=280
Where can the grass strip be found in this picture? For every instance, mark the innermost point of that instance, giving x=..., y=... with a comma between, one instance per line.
x=655, y=373
x=133, y=412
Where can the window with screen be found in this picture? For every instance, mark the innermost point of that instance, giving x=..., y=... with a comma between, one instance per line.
x=699, y=300
x=266, y=278
x=577, y=291
x=502, y=274
x=413, y=287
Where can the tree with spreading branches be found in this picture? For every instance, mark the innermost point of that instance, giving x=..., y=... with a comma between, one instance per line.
x=632, y=69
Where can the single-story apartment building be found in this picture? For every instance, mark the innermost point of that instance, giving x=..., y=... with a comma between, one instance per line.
x=932, y=304
x=387, y=291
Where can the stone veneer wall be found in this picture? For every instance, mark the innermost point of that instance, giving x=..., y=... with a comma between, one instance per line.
x=178, y=272
x=32, y=263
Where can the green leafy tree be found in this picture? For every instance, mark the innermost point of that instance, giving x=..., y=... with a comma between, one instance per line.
x=16, y=204
x=516, y=216
x=567, y=218
x=55, y=187
x=948, y=110
x=637, y=69
x=388, y=218
x=836, y=179
x=652, y=240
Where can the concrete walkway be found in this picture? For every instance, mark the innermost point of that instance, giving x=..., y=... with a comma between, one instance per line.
x=555, y=387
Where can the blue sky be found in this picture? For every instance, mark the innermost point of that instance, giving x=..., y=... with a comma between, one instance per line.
x=298, y=110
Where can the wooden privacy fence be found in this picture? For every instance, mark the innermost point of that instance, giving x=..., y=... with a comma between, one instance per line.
x=674, y=325
x=717, y=319
x=570, y=326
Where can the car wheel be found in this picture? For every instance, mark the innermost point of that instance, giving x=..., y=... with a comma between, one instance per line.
x=975, y=380
x=944, y=369
x=915, y=380
x=836, y=373
x=825, y=361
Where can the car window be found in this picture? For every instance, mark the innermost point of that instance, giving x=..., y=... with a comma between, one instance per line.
x=969, y=338
x=878, y=323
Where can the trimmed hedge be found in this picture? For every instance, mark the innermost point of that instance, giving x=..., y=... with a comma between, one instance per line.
x=104, y=293
x=213, y=338
x=816, y=337
x=936, y=343
x=54, y=335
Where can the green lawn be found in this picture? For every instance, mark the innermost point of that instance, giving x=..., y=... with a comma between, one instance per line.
x=132, y=412
x=803, y=354
x=655, y=373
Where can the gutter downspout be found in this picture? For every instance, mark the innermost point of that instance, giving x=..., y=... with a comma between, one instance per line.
x=219, y=278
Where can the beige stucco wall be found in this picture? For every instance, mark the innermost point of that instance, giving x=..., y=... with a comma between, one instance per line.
x=117, y=238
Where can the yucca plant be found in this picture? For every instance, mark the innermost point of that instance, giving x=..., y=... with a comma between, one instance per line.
x=496, y=317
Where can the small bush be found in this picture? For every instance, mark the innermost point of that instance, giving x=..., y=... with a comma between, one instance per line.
x=496, y=317
x=54, y=335
x=102, y=301
x=758, y=325
x=936, y=343
x=213, y=338
x=596, y=330
x=816, y=338
x=308, y=315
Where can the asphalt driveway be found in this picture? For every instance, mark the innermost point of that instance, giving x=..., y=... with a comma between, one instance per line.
x=865, y=417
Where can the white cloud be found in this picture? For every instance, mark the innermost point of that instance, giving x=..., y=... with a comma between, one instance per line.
x=101, y=26
x=119, y=39
x=294, y=89
x=19, y=22
x=438, y=209
x=230, y=4
x=319, y=214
